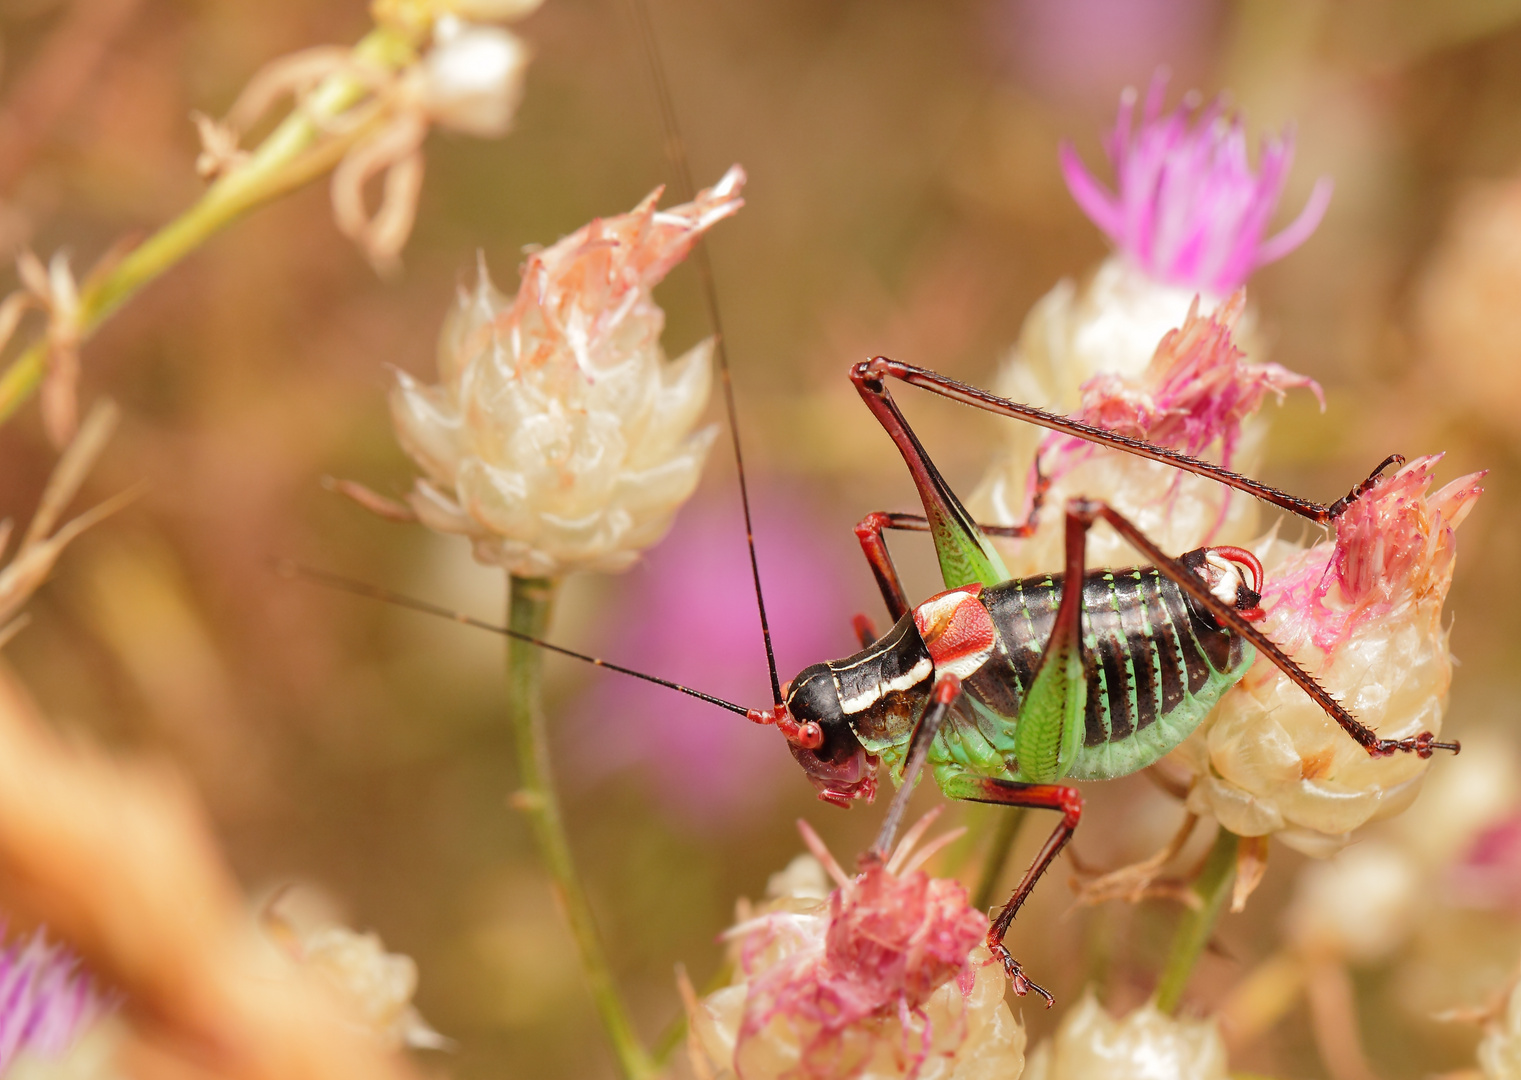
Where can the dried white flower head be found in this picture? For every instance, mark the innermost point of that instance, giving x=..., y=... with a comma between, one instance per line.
x=375, y=986
x=1146, y=1045
x=487, y=10
x=1359, y=905
x=559, y=437
x=1196, y=394
x=1363, y=614
x=376, y=102
x=472, y=78
x=885, y=978
x=1500, y=1049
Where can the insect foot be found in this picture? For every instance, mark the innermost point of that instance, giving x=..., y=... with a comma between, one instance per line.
x=1021, y=983
x=878, y=977
x=1362, y=613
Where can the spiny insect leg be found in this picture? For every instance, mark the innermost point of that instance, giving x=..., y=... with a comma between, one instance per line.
x=965, y=554
x=878, y=368
x=1042, y=797
x=943, y=695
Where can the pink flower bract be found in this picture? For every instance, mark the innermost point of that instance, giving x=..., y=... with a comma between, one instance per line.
x=894, y=935
x=1198, y=390
x=1394, y=547
x=1190, y=210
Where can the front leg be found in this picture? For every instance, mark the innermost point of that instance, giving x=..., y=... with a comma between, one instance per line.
x=943, y=695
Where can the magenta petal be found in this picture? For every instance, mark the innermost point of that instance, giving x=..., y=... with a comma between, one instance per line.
x=1091, y=196
x=1189, y=208
x=1299, y=230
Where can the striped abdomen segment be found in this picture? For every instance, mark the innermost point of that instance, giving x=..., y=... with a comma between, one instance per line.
x=1155, y=663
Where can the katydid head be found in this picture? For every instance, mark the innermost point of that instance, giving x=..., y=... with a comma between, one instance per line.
x=820, y=737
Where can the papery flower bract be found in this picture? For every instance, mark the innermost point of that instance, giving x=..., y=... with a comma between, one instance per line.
x=1500, y=1050
x=472, y=78
x=1190, y=210
x=560, y=438
x=1363, y=614
x=1359, y=905
x=1146, y=1045
x=46, y=999
x=376, y=986
x=1196, y=395
x=888, y=977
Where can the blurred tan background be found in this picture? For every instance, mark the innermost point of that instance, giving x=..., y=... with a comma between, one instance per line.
x=904, y=198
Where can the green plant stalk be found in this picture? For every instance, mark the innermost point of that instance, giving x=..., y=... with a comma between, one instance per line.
x=999, y=845
x=294, y=154
x=1213, y=890
x=529, y=605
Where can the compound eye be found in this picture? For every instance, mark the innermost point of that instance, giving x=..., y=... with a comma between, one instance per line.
x=810, y=736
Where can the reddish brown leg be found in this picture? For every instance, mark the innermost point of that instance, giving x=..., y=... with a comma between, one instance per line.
x=874, y=544
x=1042, y=797
x=866, y=630
x=869, y=375
x=943, y=695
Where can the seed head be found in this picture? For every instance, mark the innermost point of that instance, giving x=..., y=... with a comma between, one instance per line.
x=375, y=986
x=559, y=437
x=1362, y=613
x=1190, y=210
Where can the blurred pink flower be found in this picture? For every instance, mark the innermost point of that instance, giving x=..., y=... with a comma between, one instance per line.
x=688, y=614
x=46, y=1000
x=1077, y=50
x=1190, y=211
x=1489, y=875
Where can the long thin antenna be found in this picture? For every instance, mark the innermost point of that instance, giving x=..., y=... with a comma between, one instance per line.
x=359, y=588
x=676, y=155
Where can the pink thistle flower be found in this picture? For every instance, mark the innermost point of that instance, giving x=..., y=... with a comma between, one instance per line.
x=46, y=1000
x=1197, y=391
x=1488, y=876
x=855, y=985
x=1190, y=211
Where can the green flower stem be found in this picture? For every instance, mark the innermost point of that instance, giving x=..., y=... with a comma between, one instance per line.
x=530, y=602
x=1001, y=843
x=1213, y=889
x=295, y=153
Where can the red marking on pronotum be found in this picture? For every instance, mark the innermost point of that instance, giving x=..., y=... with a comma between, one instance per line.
x=1244, y=558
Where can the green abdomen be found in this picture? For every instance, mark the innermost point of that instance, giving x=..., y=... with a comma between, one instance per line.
x=1155, y=665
